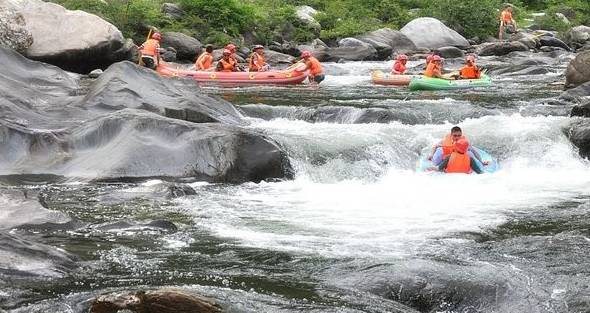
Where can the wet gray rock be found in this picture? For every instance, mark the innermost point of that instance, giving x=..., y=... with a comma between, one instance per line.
x=21, y=257
x=528, y=39
x=577, y=36
x=579, y=134
x=19, y=210
x=277, y=58
x=387, y=41
x=93, y=43
x=578, y=71
x=169, y=54
x=582, y=110
x=187, y=48
x=173, y=11
x=450, y=52
x=574, y=94
x=500, y=48
x=553, y=42
x=155, y=301
x=361, y=52
x=428, y=32
x=180, y=190
x=13, y=32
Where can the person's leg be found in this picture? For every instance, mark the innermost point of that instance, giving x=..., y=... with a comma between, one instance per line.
x=501, y=32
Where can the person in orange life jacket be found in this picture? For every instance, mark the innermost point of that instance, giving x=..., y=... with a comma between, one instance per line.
x=459, y=160
x=256, y=62
x=434, y=68
x=316, y=72
x=448, y=143
x=506, y=21
x=150, y=51
x=470, y=70
x=227, y=63
x=399, y=67
x=205, y=60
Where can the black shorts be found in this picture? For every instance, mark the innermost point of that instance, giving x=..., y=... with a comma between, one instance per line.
x=148, y=62
x=319, y=78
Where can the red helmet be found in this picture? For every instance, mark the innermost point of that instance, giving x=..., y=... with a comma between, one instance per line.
x=461, y=146
x=305, y=54
x=470, y=58
x=226, y=52
x=402, y=57
x=436, y=58
x=231, y=47
x=157, y=36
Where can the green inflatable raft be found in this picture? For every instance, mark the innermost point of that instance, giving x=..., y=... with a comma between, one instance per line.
x=428, y=83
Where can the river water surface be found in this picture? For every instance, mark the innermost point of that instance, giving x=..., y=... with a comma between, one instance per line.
x=357, y=229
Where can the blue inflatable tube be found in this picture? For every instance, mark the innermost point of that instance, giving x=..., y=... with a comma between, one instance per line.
x=424, y=164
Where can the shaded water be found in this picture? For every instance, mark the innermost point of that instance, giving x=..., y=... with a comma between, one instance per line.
x=357, y=230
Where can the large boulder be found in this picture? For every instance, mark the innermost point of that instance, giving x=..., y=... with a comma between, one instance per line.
x=428, y=32
x=13, y=32
x=578, y=71
x=305, y=14
x=388, y=41
x=276, y=58
x=577, y=36
x=579, y=134
x=92, y=43
x=500, y=48
x=187, y=48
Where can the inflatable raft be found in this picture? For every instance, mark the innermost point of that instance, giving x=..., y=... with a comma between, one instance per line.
x=292, y=75
x=380, y=78
x=424, y=164
x=428, y=83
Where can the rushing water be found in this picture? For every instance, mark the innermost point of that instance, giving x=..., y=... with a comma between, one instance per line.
x=358, y=229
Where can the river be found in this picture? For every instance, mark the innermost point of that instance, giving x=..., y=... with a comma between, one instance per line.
x=357, y=229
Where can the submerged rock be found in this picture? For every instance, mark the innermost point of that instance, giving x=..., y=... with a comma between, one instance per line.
x=428, y=32
x=92, y=43
x=155, y=301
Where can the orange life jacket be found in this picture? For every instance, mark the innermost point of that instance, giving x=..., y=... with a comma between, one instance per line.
x=506, y=17
x=432, y=69
x=448, y=144
x=459, y=163
x=204, y=61
x=314, y=66
x=150, y=47
x=398, y=68
x=228, y=66
x=470, y=72
x=256, y=62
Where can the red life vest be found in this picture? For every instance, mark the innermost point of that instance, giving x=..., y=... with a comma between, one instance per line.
x=470, y=72
x=432, y=69
x=459, y=163
x=315, y=68
x=150, y=47
x=398, y=68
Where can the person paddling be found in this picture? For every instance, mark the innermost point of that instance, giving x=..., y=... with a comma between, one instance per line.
x=316, y=72
x=399, y=67
x=470, y=70
x=448, y=142
x=507, y=22
x=256, y=62
x=434, y=68
x=150, y=51
x=459, y=161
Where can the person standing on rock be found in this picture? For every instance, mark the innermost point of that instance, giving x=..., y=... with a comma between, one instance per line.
x=150, y=51
x=256, y=62
x=507, y=23
x=205, y=60
x=316, y=72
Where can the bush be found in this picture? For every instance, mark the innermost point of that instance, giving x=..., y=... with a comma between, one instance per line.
x=470, y=18
x=229, y=16
x=551, y=21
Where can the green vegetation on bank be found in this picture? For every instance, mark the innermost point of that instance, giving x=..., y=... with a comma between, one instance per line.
x=264, y=21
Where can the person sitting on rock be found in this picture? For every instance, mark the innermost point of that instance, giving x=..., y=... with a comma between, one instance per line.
x=316, y=72
x=459, y=161
x=256, y=62
x=448, y=142
x=434, y=68
x=205, y=60
x=507, y=23
x=150, y=51
x=227, y=63
x=399, y=67
x=470, y=70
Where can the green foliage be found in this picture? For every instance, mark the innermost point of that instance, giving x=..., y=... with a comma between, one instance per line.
x=551, y=21
x=580, y=9
x=229, y=16
x=468, y=17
